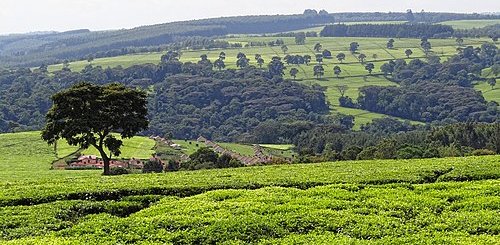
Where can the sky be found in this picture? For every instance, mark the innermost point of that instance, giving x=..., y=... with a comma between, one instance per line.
x=21, y=16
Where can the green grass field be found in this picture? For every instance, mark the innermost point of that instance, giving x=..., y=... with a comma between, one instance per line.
x=488, y=93
x=431, y=201
x=137, y=147
x=353, y=73
x=469, y=24
x=189, y=147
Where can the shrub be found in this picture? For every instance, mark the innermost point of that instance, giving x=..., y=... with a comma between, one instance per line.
x=153, y=166
x=226, y=161
x=172, y=166
x=409, y=152
x=118, y=171
x=482, y=152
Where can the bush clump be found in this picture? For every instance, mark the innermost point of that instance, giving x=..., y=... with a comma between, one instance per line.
x=153, y=166
x=205, y=158
x=118, y=171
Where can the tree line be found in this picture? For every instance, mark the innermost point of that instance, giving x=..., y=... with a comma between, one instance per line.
x=407, y=30
x=388, y=138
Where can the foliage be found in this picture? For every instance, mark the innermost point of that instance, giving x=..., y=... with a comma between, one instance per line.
x=205, y=158
x=87, y=114
x=388, y=138
x=230, y=107
x=118, y=171
x=153, y=165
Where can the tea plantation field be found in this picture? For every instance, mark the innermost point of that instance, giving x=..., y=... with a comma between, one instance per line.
x=429, y=201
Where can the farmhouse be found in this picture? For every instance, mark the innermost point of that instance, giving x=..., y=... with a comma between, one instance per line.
x=92, y=161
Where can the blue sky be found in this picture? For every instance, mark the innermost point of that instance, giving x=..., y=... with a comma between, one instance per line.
x=19, y=16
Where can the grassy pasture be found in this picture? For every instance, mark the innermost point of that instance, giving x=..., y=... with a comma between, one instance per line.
x=488, y=93
x=137, y=147
x=378, y=201
x=469, y=24
x=353, y=72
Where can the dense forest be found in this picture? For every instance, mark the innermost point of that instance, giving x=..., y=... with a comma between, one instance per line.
x=192, y=100
x=390, y=139
x=230, y=106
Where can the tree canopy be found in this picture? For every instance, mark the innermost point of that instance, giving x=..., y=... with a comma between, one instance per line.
x=85, y=115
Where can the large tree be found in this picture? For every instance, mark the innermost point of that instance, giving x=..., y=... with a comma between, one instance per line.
x=86, y=115
x=276, y=67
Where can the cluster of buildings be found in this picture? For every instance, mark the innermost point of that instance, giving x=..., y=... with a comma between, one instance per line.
x=95, y=162
x=91, y=161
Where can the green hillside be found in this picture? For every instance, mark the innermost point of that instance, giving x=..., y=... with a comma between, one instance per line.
x=380, y=201
x=136, y=147
x=353, y=73
x=469, y=24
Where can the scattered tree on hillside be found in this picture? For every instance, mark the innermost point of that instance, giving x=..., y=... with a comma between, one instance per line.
x=319, y=71
x=319, y=58
x=293, y=72
x=260, y=62
x=460, y=41
x=307, y=59
x=300, y=38
x=492, y=82
x=362, y=58
x=259, y=59
x=369, y=67
x=353, y=47
x=85, y=115
x=222, y=55
x=276, y=67
x=374, y=56
x=326, y=53
x=219, y=64
x=318, y=47
x=341, y=57
x=426, y=45
x=204, y=60
x=390, y=44
x=284, y=49
x=337, y=71
x=90, y=59
x=242, y=61
x=408, y=53
x=170, y=56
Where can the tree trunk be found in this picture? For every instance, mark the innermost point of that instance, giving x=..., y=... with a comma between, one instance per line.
x=105, y=160
x=106, y=166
